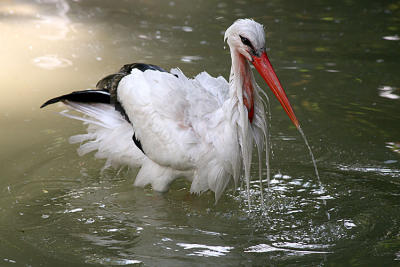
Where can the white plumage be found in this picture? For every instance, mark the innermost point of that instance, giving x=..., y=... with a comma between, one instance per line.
x=203, y=129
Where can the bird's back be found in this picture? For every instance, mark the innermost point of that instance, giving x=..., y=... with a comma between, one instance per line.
x=171, y=114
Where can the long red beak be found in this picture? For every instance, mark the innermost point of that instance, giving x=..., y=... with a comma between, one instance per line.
x=266, y=70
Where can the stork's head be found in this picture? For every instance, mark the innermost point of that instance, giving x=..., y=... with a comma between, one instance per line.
x=247, y=37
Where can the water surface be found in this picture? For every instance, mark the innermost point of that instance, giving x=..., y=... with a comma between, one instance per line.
x=337, y=60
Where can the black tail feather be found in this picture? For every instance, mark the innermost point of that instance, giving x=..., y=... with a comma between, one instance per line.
x=86, y=96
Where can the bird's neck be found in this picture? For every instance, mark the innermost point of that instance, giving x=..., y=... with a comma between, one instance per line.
x=242, y=98
x=241, y=83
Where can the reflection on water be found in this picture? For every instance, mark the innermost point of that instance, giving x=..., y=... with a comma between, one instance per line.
x=340, y=73
x=51, y=62
x=296, y=248
x=395, y=147
x=205, y=250
x=387, y=91
x=392, y=38
x=190, y=58
x=377, y=170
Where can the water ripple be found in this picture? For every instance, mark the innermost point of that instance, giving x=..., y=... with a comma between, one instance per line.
x=293, y=248
x=391, y=37
x=387, y=92
x=51, y=62
x=207, y=251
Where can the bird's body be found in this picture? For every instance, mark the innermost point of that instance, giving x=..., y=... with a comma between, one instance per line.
x=203, y=129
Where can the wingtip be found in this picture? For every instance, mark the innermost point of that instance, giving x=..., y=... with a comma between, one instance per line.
x=44, y=104
x=52, y=101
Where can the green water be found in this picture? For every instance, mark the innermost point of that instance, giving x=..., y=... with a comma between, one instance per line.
x=337, y=60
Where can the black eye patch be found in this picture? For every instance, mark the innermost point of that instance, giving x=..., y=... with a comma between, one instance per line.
x=247, y=42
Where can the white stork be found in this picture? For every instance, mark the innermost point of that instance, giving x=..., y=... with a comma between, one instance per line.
x=203, y=129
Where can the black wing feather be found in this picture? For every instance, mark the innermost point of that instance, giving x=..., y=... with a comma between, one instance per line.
x=106, y=92
x=86, y=96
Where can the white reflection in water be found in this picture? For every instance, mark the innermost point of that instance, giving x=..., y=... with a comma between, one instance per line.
x=210, y=233
x=94, y=259
x=283, y=176
x=183, y=28
x=395, y=147
x=99, y=240
x=9, y=260
x=293, y=248
x=112, y=230
x=382, y=171
x=397, y=256
x=387, y=92
x=190, y=58
x=73, y=210
x=90, y=221
x=391, y=38
x=261, y=248
x=51, y=62
x=213, y=251
x=348, y=224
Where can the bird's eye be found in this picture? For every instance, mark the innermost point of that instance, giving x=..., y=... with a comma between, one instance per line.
x=246, y=41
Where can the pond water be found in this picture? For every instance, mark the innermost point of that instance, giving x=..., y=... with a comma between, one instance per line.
x=337, y=60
